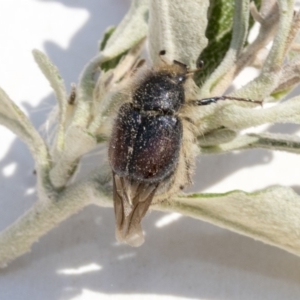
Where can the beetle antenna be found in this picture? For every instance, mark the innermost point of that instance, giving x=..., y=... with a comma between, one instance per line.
x=207, y=101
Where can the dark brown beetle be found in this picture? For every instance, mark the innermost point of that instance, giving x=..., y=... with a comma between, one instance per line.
x=153, y=147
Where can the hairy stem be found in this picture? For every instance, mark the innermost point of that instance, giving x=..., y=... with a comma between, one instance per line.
x=18, y=238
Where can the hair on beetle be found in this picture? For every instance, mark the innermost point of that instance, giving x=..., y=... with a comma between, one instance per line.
x=153, y=146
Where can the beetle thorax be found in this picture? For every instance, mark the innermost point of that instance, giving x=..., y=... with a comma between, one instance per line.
x=163, y=92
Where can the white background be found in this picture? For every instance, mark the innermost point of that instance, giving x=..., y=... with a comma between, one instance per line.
x=182, y=258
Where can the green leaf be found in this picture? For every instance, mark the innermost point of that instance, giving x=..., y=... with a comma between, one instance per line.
x=110, y=64
x=239, y=34
x=218, y=32
x=108, y=32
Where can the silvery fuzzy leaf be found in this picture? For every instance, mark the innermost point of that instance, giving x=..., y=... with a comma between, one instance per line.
x=268, y=80
x=179, y=28
x=238, y=118
x=270, y=215
x=271, y=141
x=14, y=119
x=131, y=30
x=52, y=74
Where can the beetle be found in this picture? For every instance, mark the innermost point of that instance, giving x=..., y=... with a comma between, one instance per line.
x=153, y=146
